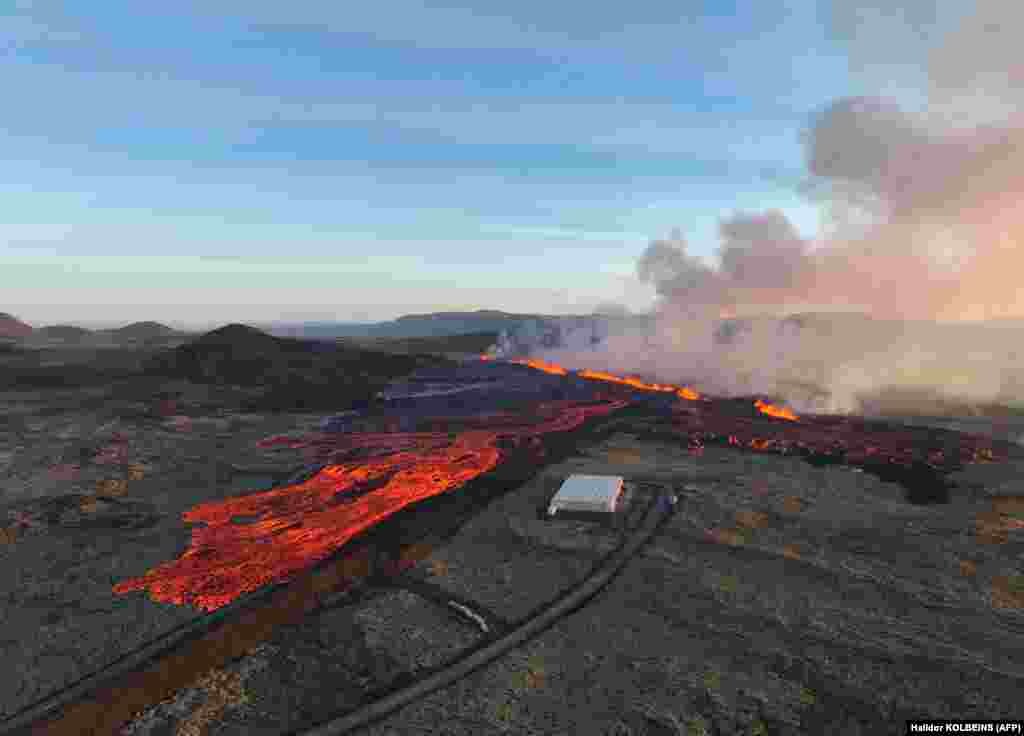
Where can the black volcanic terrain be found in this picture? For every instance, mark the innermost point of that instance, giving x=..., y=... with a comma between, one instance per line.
x=62, y=332
x=263, y=372
x=290, y=373
x=787, y=594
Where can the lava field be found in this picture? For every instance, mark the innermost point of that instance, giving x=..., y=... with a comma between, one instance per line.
x=434, y=433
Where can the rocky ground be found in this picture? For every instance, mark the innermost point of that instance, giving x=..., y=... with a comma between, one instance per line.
x=780, y=599
x=92, y=492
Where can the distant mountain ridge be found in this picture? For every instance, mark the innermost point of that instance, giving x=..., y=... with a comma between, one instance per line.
x=434, y=324
x=136, y=334
x=412, y=326
x=141, y=330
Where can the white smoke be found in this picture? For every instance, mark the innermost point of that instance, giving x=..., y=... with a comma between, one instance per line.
x=923, y=238
x=535, y=335
x=921, y=250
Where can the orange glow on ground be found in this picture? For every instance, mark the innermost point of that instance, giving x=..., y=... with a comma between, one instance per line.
x=779, y=412
x=248, y=542
x=542, y=365
x=844, y=439
x=288, y=529
x=687, y=393
x=683, y=392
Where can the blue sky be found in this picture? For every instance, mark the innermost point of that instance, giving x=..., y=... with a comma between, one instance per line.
x=203, y=162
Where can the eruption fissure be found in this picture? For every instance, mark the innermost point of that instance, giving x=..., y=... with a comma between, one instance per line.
x=683, y=392
x=541, y=365
x=909, y=281
x=250, y=541
x=911, y=457
x=779, y=412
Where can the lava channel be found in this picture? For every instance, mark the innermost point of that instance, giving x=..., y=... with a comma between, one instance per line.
x=288, y=529
x=683, y=392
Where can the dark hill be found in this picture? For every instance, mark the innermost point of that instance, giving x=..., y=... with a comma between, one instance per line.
x=238, y=337
x=290, y=374
x=142, y=331
x=12, y=327
x=235, y=354
x=62, y=332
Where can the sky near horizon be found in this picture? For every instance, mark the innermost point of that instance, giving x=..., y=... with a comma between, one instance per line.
x=204, y=162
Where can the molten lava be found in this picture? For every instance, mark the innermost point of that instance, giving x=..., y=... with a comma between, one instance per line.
x=779, y=412
x=288, y=529
x=837, y=439
x=542, y=365
x=251, y=541
x=682, y=392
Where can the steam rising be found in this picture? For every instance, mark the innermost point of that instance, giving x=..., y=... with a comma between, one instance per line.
x=924, y=224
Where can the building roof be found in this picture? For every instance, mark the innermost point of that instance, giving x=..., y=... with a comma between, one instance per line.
x=591, y=493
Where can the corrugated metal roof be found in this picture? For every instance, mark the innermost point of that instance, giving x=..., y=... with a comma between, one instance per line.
x=592, y=493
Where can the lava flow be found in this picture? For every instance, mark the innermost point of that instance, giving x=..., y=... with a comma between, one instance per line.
x=912, y=456
x=683, y=392
x=367, y=477
x=542, y=365
x=779, y=412
x=846, y=440
x=290, y=528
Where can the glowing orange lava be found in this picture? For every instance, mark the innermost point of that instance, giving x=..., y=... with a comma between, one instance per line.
x=542, y=365
x=779, y=412
x=290, y=528
x=682, y=392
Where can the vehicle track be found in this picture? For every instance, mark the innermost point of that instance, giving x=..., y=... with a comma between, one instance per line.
x=495, y=646
x=105, y=701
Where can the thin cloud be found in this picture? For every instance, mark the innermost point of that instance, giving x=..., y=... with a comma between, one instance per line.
x=645, y=133
x=649, y=30
x=21, y=30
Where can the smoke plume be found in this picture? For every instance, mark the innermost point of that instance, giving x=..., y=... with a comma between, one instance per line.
x=612, y=310
x=923, y=228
